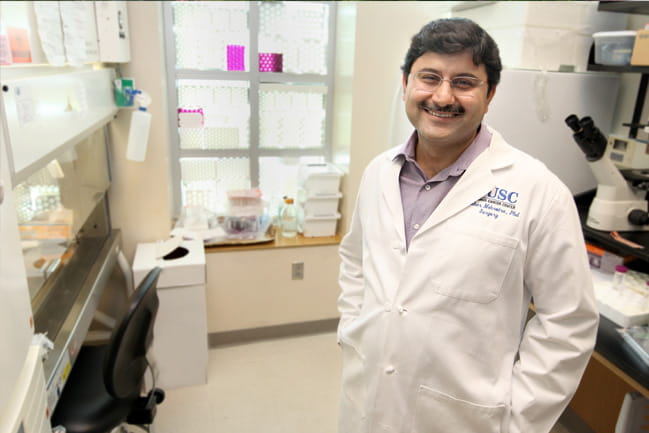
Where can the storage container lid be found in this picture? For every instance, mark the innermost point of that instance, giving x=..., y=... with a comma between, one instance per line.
x=322, y=217
x=304, y=195
x=619, y=33
x=322, y=169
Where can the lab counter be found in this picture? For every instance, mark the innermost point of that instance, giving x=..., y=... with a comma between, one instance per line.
x=612, y=347
x=613, y=371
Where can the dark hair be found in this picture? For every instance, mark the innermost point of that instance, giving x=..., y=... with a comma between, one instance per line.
x=454, y=35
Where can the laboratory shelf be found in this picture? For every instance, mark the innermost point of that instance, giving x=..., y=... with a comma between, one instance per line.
x=640, y=7
x=628, y=7
x=612, y=68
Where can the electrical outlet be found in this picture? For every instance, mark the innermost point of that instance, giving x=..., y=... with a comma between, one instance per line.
x=297, y=271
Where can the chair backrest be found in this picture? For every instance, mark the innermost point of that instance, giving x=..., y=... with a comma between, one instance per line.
x=125, y=362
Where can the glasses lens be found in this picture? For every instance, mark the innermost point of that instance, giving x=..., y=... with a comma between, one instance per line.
x=464, y=83
x=428, y=81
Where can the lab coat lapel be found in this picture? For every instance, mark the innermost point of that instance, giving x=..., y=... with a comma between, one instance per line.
x=475, y=183
x=392, y=194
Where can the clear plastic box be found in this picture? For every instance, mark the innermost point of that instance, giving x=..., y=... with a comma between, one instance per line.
x=319, y=179
x=315, y=226
x=319, y=204
x=614, y=48
x=245, y=202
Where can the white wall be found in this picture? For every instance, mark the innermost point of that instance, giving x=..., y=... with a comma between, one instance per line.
x=140, y=195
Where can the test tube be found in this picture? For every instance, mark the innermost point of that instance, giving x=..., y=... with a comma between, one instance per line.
x=618, y=277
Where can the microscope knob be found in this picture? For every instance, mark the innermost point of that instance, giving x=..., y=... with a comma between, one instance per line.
x=638, y=217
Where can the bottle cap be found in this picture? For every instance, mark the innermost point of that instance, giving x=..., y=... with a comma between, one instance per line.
x=621, y=268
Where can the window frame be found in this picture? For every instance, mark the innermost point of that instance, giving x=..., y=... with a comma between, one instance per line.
x=255, y=78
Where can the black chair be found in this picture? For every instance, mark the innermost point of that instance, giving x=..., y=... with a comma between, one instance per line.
x=96, y=399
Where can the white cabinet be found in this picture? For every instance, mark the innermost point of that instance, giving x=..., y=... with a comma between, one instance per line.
x=251, y=289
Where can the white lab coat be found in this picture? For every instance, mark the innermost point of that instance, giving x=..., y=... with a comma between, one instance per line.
x=435, y=339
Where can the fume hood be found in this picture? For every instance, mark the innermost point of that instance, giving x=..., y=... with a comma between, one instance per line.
x=54, y=122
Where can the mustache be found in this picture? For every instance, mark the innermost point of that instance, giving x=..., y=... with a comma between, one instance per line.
x=445, y=109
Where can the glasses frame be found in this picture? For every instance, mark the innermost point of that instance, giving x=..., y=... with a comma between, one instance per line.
x=415, y=76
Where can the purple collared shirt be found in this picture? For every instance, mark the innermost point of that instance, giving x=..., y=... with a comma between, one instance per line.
x=420, y=196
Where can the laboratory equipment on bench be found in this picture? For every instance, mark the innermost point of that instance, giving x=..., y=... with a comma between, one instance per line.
x=622, y=297
x=618, y=205
x=288, y=219
x=628, y=153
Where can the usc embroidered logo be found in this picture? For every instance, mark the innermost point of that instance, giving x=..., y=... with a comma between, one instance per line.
x=498, y=203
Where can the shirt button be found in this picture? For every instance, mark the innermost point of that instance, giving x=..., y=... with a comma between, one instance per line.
x=416, y=226
x=427, y=187
x=387, y=307
x=389, y=369
x=402, y=310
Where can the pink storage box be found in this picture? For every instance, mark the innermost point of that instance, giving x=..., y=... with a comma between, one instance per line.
x=236, y=54
x=271, y=62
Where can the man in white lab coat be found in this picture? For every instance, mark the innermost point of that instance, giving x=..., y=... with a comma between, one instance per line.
x=453, y=234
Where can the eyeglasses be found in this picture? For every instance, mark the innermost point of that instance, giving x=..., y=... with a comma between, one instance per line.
x=429, y=82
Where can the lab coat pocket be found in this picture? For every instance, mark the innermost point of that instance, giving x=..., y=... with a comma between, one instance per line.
x=437, y=412
x=486, y=258
x=352, y=400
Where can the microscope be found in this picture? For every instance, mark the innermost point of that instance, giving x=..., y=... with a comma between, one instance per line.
x=618, y=205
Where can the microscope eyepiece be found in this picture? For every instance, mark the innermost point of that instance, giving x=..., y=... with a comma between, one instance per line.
x=587, y=124
x=573, y=122
x=589, y=138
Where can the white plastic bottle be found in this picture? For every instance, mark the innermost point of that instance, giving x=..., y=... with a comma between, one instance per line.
x=138, y=132
x=288, y=219
x=138, y=135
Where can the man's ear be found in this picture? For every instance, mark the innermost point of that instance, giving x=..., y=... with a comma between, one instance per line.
x=404, y=84
x=490, y=96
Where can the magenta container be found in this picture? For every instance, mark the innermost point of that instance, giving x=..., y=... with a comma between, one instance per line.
x=270, y=62
x=236, y=54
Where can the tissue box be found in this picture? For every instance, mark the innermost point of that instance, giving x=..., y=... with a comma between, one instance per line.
x=184, y=271
x=640, y=56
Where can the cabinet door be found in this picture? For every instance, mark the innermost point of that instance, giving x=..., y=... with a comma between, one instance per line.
x=15, y=308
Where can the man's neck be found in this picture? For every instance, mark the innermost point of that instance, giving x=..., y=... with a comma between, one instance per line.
x=433, y=158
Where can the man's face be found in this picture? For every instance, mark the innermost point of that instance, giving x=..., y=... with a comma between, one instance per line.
x=446, y=117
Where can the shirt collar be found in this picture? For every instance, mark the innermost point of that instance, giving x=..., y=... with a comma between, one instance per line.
x=477, y=146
